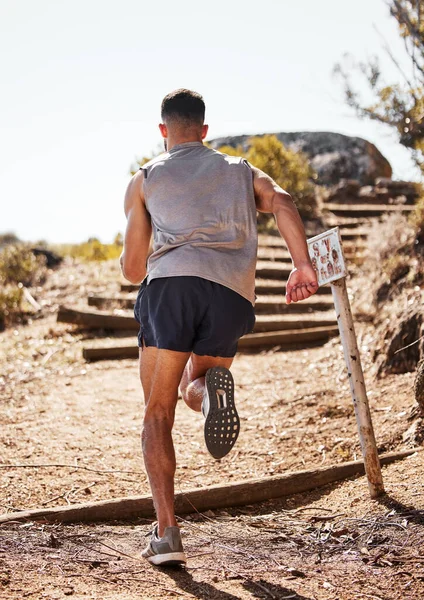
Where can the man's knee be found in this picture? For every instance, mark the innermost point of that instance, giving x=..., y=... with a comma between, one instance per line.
x=159, y=414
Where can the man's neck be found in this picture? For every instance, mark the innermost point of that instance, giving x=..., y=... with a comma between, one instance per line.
x=175, y=141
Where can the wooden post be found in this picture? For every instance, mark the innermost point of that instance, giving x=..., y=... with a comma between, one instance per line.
x=327, y=258
x=357, y=387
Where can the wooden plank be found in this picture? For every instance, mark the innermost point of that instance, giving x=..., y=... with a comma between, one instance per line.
x=284, y=321
x=367, y=210
x=111, y=352
x=209, y=498
x=250, y=341
x=265, y=304
x=105, y=320
x=385, y=208
x=96, y=320
x=277, y=304
x=280, y=255
x=285, y=338
x=111, y=301
x=276, y=242
x=263, y=286
x=272, y=270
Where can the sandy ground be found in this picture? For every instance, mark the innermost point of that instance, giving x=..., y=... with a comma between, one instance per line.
x=70, y=433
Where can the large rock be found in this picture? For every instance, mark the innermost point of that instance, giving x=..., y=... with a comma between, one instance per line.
x=333, y=156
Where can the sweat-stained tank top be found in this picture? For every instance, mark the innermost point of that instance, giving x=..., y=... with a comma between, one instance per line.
x=203, y=214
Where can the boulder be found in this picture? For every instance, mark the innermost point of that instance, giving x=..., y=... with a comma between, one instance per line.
x=52, y=259
x=333, y=156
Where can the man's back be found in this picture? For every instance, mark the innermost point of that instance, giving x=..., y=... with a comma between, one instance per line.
x=202, y=207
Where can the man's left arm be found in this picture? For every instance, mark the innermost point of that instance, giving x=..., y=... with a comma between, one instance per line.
x=138, y=232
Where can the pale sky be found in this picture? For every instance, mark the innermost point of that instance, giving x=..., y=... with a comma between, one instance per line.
x=82, y=83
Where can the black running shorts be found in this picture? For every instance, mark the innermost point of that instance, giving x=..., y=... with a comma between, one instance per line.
x=192, y=314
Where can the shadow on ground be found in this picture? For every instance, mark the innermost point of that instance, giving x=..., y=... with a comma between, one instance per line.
x=259, y=589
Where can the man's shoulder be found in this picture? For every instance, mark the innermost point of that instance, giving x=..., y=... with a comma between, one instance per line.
x=231, y=159
x=157, y=159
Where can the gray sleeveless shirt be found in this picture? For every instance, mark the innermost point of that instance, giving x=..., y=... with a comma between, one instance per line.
x=203, y=214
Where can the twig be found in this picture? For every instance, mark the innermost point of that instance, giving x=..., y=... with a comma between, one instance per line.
x=30, y=299
x=66, y=466
x=409, y=345
x=326, y=517
x=66, y=495
x=120, y=552
x=48, y=356
x=259, y=585
x=99, y=578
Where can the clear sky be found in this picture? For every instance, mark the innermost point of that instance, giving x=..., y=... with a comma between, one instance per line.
x=82, y=81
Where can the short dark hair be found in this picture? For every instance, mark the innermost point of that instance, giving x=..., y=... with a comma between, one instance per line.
x=184, y=106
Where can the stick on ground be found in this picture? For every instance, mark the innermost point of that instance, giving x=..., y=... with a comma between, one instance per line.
x=210, y=498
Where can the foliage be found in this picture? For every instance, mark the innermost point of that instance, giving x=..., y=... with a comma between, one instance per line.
x=399, y=105
x=19, y=265
x=291, y=170
x=92, y=249
x=119, y=239
x=416, y=219
x=9, y=237
x=10, y=304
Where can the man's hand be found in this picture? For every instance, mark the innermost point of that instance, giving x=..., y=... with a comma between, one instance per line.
x=301, y=284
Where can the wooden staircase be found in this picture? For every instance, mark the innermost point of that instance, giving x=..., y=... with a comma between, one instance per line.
x=278, y=325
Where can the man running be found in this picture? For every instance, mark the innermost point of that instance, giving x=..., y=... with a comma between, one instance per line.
x=198, y=289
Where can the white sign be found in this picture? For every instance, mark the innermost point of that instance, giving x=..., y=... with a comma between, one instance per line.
x=326, y=254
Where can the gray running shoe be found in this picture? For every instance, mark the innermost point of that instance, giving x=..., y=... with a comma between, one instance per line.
x=167, y=550
x=222, y=423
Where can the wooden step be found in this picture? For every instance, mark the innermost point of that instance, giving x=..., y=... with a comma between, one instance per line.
x=273, y=303
x=123, y=302
x=274, y=286
x=276, y=304
x=368, y=210
x=97, y=319
x=272, y=270
x=262, y=286
x=296, y=321
x=349, y=222
x=282, y=255
x=275, y=242
x=287, y=339
x=125, y=322
x=354, y=233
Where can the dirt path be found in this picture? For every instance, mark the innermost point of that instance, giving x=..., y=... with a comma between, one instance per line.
x=295, y=411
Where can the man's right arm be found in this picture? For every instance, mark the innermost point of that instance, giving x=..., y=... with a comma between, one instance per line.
x=271, y=198
x=138, y=232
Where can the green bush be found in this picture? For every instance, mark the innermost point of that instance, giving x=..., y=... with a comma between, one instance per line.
x=10, y=305
x=416, y=219
x=8, y=238
x=92, y=250
x=19, y=265
x=291, y=170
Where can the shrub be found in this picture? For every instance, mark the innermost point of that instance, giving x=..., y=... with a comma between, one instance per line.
x=10, y=305
x=8, y=238
x=19, y=265
x=291, y=170
x=416, y=219
x=92, y=250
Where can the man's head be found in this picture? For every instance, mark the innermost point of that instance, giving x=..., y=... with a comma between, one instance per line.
x=183, y=115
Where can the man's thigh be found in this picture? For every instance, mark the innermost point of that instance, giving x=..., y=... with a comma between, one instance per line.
x=160, y=374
